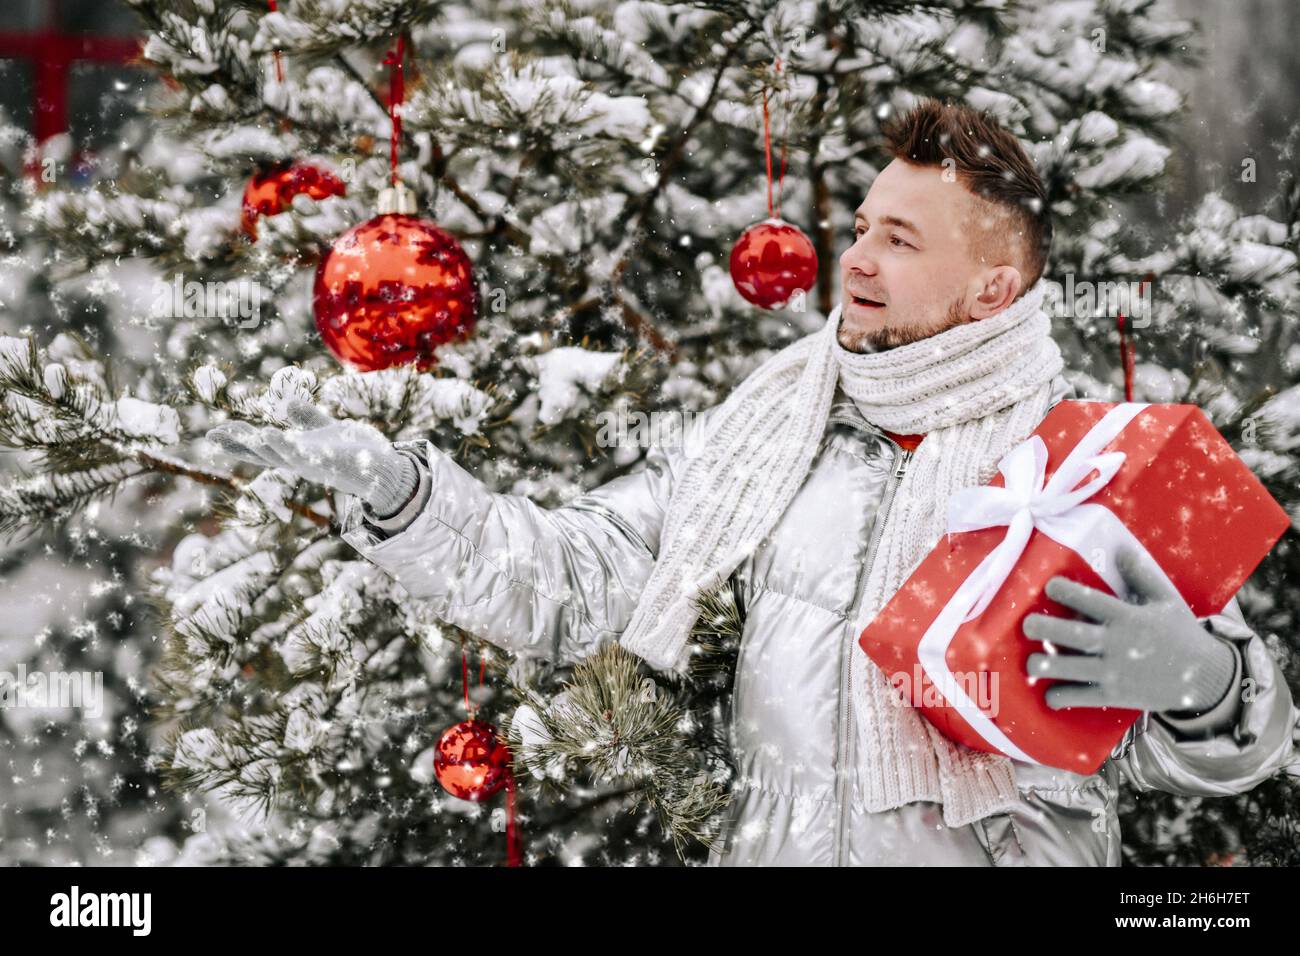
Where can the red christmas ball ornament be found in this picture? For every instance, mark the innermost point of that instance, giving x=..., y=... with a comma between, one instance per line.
x=393, y=289
x=772, y=261
x=470, y=760
x=271, y=191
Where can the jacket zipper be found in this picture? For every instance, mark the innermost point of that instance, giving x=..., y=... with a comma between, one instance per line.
x=901, y=458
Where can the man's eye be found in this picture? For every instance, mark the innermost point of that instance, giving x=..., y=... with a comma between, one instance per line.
x=896, y=238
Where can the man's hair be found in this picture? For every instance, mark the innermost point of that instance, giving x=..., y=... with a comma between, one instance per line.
x=989, y=161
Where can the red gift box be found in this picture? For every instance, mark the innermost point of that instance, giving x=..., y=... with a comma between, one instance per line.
x=1094, y=478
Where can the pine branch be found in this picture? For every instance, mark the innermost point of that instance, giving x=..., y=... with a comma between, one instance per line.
x=614, y=720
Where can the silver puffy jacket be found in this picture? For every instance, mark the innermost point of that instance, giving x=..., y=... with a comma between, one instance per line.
x=557, y=583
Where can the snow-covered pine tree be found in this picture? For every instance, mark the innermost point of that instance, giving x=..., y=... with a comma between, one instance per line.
x=80, y=788
x=597, y=162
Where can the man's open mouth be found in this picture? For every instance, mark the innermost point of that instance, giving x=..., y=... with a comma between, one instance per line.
x=871, y=303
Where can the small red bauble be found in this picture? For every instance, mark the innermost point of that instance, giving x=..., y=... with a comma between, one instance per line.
x=470, y=760
x=271, y=191
x=391, y=290
x=771, y=261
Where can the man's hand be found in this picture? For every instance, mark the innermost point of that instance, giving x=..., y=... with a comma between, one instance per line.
x=351, y=456
x=1152, y=655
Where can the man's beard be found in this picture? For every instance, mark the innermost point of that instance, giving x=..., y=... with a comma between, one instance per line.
x=888, y=337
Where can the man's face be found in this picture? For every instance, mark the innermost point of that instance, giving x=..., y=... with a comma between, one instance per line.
x=912, y=257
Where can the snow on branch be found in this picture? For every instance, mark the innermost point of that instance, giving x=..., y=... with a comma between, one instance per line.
x=324, y=26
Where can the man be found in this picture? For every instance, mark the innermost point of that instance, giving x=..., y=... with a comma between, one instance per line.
x=817, y=486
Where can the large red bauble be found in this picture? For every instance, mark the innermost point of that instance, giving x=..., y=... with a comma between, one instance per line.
x=470, y=760
x=272, y=190
x=771, y=261
x=391, y=290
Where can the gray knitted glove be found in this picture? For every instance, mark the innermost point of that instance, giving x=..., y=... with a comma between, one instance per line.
x=1152, y=656
x=351, y=456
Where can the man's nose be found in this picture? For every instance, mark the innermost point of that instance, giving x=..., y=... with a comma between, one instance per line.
x=858, y=258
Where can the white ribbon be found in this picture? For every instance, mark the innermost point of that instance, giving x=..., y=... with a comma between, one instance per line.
x=1023, y=504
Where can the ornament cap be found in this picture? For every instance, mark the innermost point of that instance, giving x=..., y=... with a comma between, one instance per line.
x=397, y=199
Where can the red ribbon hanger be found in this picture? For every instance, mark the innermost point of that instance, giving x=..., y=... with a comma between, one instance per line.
x=773, y=212
x=396, y=96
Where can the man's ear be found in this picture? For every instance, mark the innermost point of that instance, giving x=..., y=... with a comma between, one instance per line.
x=994, y=290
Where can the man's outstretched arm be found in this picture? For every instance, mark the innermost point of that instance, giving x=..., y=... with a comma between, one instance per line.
x=550, y=583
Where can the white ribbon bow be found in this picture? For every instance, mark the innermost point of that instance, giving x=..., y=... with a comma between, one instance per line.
x=1022, y=504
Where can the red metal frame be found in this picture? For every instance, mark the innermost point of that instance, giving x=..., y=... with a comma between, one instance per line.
x=53, y=54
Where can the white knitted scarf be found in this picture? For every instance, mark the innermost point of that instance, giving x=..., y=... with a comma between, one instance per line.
x=974, y=390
